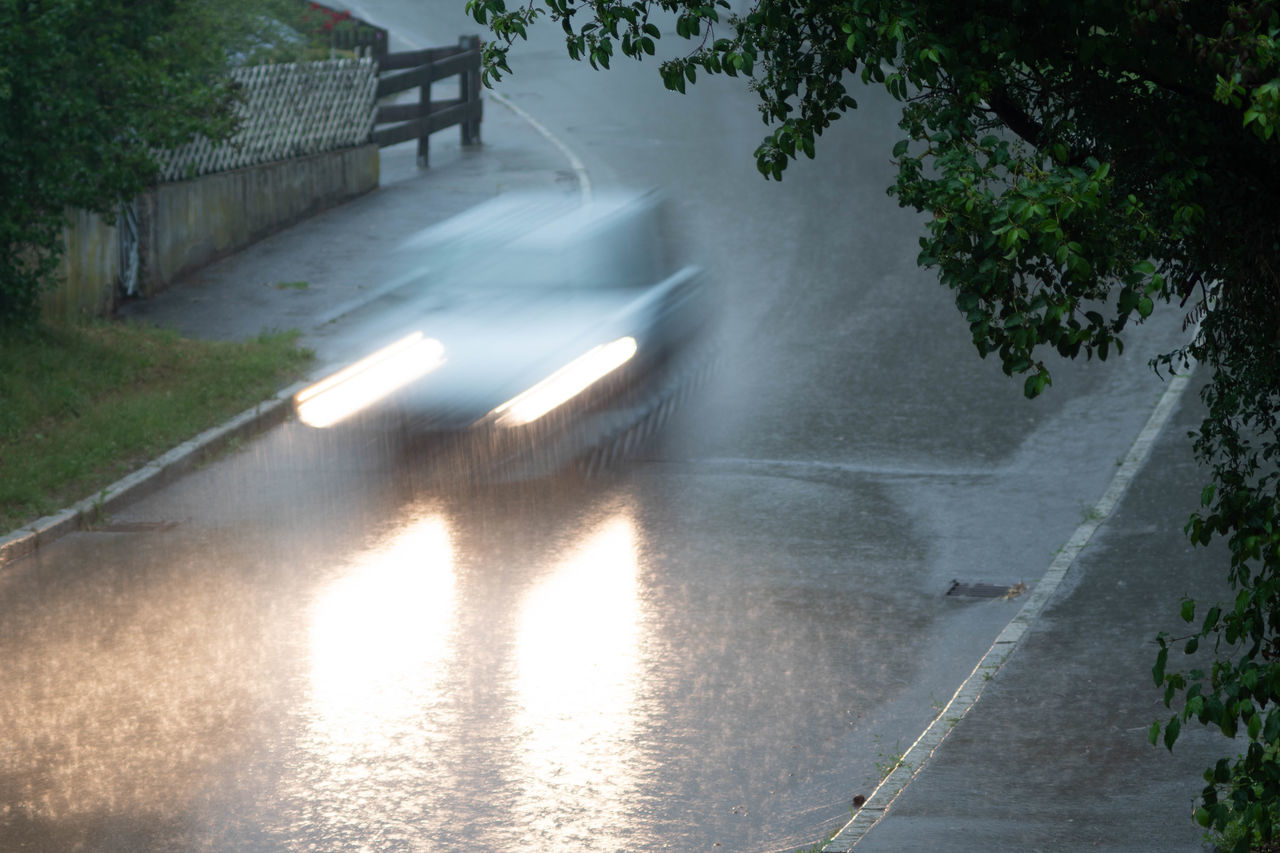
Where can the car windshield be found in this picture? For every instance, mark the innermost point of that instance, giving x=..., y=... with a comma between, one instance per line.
x=532, y=244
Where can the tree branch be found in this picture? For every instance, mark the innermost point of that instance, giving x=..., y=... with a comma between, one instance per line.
x=1015, y=118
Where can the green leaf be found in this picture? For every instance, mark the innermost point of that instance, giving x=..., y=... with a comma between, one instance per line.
x=1171, y=731
x=1188, y=609
x=1035, y=384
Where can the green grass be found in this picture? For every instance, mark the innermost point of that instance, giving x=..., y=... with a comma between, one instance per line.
x=81, y=406
x=889, y=763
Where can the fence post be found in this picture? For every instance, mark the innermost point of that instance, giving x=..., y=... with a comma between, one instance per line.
x=469, y=92
x=424, y=112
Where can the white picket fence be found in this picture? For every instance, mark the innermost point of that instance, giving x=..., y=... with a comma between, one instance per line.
x=289, y=110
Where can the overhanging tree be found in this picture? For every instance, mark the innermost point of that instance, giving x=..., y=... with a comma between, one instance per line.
x=1082, y=162
x=88, y=90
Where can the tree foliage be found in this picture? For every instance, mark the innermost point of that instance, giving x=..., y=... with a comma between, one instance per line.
x=88, y=90
x=1082, y=161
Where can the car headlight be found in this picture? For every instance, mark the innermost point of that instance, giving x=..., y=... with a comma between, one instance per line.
x=351, y=389
x=565, y=384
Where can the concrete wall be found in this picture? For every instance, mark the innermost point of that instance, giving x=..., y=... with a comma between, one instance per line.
x=185, y=225
x=88, y=272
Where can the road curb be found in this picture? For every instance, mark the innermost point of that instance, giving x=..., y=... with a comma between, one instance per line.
x=159, y=472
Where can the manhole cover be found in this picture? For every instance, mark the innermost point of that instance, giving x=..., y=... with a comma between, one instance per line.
x=135, y=526
x=985, y=590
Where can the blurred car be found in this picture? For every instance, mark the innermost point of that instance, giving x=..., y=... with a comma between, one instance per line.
x=540, y=334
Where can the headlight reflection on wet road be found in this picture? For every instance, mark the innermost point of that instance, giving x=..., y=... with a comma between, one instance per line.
x=379, y=638
x=552, y=728
x=380, y=645
x=577, y=683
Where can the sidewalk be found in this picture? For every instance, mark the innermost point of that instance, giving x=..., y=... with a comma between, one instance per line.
x=1054, y=755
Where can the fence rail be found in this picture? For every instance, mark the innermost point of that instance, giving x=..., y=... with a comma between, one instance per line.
x=418, y=69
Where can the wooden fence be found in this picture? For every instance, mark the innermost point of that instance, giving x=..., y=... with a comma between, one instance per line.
x=293, y=109
x=395, y=123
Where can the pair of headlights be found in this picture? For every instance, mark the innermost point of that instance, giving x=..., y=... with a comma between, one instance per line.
x=391, y=368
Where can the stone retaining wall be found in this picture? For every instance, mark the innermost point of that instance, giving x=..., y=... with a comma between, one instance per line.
x=185, y=225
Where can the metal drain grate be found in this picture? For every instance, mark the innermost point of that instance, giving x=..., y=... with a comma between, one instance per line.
x=135, y=526
x=985, y=590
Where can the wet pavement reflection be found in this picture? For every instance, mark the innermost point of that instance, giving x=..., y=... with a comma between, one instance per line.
x=556, y=666
x=712, y=650
x=578, y=669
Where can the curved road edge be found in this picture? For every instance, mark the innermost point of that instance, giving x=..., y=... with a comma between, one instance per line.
x=917, y=756
x=158, y=472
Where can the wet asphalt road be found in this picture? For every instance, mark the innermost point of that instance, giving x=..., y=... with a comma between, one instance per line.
x=308, y=646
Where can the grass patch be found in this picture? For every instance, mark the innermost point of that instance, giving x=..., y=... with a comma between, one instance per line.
x=83, y=405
